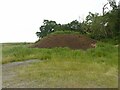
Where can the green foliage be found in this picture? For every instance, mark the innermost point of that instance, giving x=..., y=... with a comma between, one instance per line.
x=104, y=26
x=47, y=28
x=65, y=32
x=52, y=26
x=96, y=26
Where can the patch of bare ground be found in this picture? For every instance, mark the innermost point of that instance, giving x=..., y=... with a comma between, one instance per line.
x=73, y=41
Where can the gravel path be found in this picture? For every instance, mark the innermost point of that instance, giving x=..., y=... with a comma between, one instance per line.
x=10, y=72
x=16, y=64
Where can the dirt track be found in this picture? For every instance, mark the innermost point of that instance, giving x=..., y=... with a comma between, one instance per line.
x=10, y=73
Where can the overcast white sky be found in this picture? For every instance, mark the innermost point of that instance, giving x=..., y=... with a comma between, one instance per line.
x=21, y=19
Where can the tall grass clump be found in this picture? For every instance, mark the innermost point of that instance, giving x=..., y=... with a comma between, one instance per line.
x=104, y=52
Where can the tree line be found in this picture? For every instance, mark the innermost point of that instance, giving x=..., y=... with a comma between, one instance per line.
x=95, y=25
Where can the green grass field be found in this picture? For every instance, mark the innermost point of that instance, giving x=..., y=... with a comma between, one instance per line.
x=63, y=67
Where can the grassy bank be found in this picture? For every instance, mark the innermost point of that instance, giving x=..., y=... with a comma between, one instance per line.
x=63, y=67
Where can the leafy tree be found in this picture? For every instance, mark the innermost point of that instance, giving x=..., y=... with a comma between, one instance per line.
x=112, y=4
x=103, y=26
x=51, y=26
x=97, y=26
x=114, y=18
x=75, y=26
x=46, y=28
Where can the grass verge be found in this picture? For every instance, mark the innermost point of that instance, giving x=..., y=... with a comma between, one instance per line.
x=63, y=67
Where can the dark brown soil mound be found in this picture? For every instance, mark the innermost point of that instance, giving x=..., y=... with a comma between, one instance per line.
x=72, y=41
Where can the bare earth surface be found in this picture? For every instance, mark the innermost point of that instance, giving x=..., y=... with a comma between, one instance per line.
x=66, y=40
x=10, y=73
